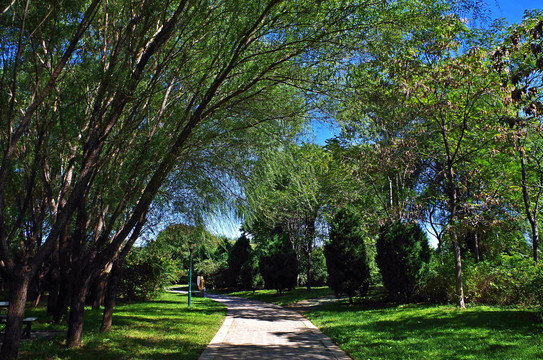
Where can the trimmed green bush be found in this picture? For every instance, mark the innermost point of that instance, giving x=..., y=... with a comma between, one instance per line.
x=278, y=264
x=238, y=256
x=402, y=252
x=346, y=260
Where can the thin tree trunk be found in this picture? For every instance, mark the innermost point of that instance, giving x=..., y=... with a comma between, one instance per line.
x=532, y=217
x=476, y=247
x=66, y=283
x=535, y=240
x=100, y=289
x=54, y=289
x=309, y=273
x=453, y=216
x=14, y=326
x=65, y=294
x=310, y=238
x=458, y=270
x=109, y=299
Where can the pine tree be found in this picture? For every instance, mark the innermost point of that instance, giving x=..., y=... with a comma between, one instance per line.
x=348, y=269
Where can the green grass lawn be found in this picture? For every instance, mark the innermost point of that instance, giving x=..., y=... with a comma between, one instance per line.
x=161, y=329
x=289, y=297
x=431, y=331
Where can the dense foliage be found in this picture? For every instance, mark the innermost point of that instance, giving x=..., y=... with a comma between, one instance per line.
x=402, y=252
x=278, y=264
x=242, y=272
x=319, y=273
x=346, y=259
x=116, y=112
x=501, y=280
x=146, y=272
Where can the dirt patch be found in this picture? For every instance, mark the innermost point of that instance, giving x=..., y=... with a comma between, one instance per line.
x=39, y=334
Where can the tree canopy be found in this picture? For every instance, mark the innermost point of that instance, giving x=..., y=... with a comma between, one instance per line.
x=115, y=112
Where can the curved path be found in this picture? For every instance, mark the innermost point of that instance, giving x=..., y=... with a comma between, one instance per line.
x=256, y=330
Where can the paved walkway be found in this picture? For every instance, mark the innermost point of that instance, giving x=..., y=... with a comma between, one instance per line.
x=255, y=330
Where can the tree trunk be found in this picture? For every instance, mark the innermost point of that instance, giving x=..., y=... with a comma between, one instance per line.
x=452, y=194
x=532, y=217
x=99, y=289
x=65, y=294
x=66, y=284
x=310, y=238
x=535, y=239
x=476, y=247
x=14, y=326
x=309, y=273
x=77, y=308
x=109, y=299
x=458, y=270
x=34, y=291
x=54, y=289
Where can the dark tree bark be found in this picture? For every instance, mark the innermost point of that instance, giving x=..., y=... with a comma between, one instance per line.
x=77, y=309
x=109, y=299
x=472, y=243
x=17, y=299
x=54, y=285
x=64, y=296
x=66, y=280
x=99, y=289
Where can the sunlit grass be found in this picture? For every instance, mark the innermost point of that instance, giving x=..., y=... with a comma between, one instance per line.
x=287, y=297
x=161, y=329
x=431, y=332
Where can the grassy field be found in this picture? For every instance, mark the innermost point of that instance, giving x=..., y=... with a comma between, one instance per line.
x=431, y=331
x=271, y=296
x=161, y=329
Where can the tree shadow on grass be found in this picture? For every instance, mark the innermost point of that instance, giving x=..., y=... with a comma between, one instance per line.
x=101, y=349
x=438, y=333
x=160, y=329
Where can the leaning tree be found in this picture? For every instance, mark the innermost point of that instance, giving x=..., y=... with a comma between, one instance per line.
x=101, y=101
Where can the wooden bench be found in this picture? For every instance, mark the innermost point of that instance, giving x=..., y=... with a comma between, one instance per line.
x=27, y=323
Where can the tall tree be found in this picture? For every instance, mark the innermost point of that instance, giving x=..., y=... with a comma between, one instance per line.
x=101, y=101
x=519, y=61
x=285, y=189
x=437, y=128
x=402, y=251
x=346, y=259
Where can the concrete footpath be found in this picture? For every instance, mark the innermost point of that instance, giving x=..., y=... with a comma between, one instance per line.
x=256, y=330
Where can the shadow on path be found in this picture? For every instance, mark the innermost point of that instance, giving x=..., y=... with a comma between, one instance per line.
x=256, y=330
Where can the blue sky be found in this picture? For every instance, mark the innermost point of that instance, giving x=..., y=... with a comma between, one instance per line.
x=512, y=10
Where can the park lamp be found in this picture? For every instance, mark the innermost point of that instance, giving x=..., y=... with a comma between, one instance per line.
x=191, y=247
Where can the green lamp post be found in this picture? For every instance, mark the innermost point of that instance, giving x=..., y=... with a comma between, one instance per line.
x=191, y=247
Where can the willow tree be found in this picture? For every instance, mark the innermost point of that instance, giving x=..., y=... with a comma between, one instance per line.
x=101, y=101
x=286, y=190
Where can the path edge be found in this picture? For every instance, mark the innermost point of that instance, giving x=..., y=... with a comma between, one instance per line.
x=324, y=339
